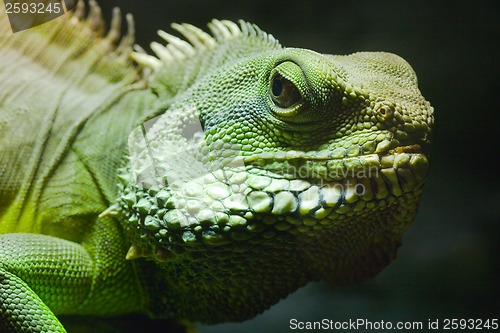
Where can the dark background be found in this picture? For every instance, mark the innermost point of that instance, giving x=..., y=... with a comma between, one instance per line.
x=448, y=265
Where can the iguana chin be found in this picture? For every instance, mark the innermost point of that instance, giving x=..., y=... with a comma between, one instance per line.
x=204, y=182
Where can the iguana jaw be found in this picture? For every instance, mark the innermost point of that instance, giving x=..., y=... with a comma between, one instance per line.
x=341, y=230
x=261, y=197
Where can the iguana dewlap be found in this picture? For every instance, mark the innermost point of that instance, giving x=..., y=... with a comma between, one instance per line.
x=204, y=182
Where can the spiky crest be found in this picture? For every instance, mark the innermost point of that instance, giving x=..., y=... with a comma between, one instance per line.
x=175, y=49
x=95, y=21
x=77, y=36
x=196, y=41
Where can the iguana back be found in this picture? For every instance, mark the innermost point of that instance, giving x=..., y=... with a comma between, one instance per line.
x=63, y=124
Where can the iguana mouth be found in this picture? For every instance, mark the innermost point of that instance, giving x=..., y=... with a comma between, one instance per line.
x=326, y=166
x=326, y=154
x=249, y=201
x=369, y=177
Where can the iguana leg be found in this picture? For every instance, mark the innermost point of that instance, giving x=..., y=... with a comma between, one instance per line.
x=40, y=275
x=21, y=310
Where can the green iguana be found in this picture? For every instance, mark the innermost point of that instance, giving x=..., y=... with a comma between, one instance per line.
x=205, y=182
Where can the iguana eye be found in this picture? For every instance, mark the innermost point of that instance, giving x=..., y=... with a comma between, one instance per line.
x=283, y=92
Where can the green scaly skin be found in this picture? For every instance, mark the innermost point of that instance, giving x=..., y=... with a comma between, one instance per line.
x=204, y=184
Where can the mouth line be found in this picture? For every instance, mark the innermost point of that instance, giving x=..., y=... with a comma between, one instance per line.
x=410, y=149
x=322, y=166
x=325, y=156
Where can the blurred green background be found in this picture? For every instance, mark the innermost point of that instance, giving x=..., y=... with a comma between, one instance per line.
x=448, y=266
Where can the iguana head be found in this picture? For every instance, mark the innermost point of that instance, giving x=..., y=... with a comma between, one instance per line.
x=270, y=167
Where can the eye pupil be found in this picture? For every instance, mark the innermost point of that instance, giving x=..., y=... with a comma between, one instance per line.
x=277, y=87
x=283, y=92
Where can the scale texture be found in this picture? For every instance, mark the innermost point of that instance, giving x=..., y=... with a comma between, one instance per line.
x=204, y=182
